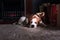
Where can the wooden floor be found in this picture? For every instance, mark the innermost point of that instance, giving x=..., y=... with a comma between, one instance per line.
x=18, y=32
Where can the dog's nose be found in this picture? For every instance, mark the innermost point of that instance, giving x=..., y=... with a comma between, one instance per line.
x=32, y=26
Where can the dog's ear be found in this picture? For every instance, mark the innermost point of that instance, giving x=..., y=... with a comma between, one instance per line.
x=41, y=14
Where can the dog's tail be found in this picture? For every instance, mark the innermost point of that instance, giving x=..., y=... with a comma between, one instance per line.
x=41, y=14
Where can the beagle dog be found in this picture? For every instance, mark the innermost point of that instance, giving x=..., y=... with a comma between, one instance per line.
x=33, y=20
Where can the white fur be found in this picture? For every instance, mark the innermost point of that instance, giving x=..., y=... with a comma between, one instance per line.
x=33, y=23
x=27, y=20
x=22, y=19
x=42, y=23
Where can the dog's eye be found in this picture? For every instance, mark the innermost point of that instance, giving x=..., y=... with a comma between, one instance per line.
x=36, y=22
x=31, y=22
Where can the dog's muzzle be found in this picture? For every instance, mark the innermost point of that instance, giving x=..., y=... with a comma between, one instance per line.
x=32, y=26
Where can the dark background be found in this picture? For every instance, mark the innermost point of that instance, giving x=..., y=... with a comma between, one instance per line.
x=14, y=9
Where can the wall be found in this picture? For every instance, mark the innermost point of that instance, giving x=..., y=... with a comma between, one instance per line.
x=28, y=6
x=58, y=14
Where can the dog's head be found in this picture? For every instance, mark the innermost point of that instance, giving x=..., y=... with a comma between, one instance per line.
x=36, y=19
